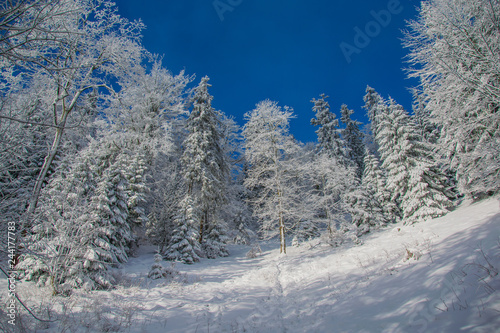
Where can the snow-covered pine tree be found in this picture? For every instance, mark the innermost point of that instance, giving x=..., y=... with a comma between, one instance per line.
x=272, y=172
x=237, y=212
x=104, y=233
x=152, y=107
x=374, y=181
x=329, y=139
x=206, y=168
x=353, y=139
x=365, y=210
x=374, y=105
x=422, y=118
x=412, y=178
x=184, y=245
x=454, y=52
x=215, y=241
x=86, y=221
x=305, y=231
x=165, y=196
x=334, y=172
x=157, y=270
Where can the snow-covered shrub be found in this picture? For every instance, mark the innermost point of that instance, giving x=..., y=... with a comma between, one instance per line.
x=214, y=244
x=157, y=271
x=184, y=245
x=305, y=231
x=254, y=252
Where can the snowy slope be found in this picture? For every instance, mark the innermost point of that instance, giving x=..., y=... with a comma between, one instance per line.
x=436, y=276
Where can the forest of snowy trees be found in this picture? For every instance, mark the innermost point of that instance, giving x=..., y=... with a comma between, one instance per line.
x=104, y=150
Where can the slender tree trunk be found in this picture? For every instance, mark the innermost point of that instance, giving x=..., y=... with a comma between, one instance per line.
x=282, y=234
x=47, y=164
x=203, y=224
x=55, y=146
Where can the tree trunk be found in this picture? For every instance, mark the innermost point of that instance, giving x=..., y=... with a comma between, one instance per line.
x=47, y=163
x=282, y=234
x=203, y=223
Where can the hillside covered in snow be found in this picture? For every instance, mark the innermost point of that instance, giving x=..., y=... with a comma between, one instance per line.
x=436, y=276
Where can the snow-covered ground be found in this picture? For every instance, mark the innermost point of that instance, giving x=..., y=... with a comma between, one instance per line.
x=436, y=276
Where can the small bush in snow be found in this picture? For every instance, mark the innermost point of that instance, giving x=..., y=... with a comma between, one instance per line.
x=159, y=272
x=254, y=252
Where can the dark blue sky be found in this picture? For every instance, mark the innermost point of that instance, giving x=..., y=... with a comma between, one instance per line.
x=287, y=51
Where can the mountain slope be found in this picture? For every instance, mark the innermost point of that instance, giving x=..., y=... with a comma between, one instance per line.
x=437, y=276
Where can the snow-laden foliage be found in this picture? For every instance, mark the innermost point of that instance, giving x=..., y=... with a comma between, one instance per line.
x=151, y=106
x=365, y=210
x=454, y=47
x=305, y=231
x=330, y=179
x=413, y=178
x=158, y=271
x=272, y=173
x=184, y=245
x=214, y=245
x=374, y=105
x=90, y=211
x=78, y=48
x=205, y=165
x=328, y=131
x=353, y=138
x=374, y=181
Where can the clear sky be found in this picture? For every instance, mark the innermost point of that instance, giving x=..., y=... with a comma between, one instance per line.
x=289, y=51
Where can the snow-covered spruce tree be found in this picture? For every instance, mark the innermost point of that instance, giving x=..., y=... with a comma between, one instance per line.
x=272, y=173
x=374, y=181
x=206, y=168
x=454, y=47
x=164, y=201
x=305, y=231
x=329, y=139
x=333, y=171
x=415, y=182
x=89, y=211
x=238, y=214
x=364, y=208
x=374, y=106
x=426, y=128
x=152, y=106
x=184, y=245
x=157, y=270
x=353, y=139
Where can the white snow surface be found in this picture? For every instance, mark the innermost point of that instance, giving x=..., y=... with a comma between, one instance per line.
x=435, y=276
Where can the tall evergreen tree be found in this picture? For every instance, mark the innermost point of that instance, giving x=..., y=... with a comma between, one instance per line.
x=97, y=200
x=206, y=167
x=337, y=175
x=353, y=138
x=374, y=180
x=412, y=178
x=374, y=106
x=329, y=139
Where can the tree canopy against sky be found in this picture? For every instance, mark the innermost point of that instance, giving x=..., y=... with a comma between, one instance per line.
x=285, y=51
